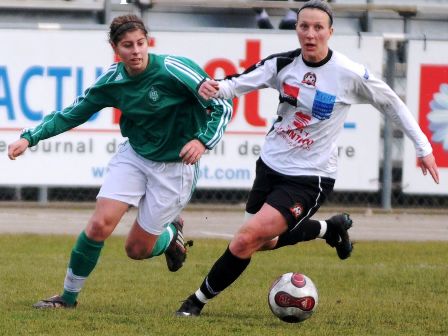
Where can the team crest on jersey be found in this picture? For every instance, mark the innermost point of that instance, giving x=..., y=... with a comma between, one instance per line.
x=310, y=79
x=153, y=94
x=296, y=210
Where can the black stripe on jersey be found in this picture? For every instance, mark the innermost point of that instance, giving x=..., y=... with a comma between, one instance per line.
x=287, y=99
x=283, y=59
x=286, y=58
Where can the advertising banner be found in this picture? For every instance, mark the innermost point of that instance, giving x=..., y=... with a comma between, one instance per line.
x=48, y=69
x=427, y=97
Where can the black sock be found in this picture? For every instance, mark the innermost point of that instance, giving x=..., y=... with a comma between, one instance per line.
x=223, y=273
x=309, y=229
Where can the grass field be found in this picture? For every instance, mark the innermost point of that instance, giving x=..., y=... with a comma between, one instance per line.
x=383, y=289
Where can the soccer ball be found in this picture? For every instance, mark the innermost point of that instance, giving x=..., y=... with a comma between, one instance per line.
x=293, y=297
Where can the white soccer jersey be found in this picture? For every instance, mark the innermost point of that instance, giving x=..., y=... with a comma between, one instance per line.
x=314, y=102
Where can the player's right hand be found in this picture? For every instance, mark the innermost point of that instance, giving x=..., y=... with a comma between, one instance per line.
x=209, y=89
x=17, y=148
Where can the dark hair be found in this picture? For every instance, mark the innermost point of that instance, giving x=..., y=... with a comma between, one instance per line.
x=318, y=4
x=123, y=24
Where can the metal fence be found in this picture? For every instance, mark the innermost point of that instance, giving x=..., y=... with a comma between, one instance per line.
x=232, y=197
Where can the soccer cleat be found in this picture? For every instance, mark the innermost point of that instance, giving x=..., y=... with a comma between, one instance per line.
x=176, y=252
x=337, y=235
x=190, y=307
x=54, y=302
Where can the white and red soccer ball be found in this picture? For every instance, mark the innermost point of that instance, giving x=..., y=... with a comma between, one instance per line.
x=293, y=297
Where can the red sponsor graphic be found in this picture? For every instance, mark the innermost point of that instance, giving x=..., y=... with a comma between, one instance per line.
x=291, y=91
x=431, y=79
x=296, y=138
x=296, y=210
x=283, y=299
x=301, y=120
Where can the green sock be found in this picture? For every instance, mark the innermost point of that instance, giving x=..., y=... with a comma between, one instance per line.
x=164, y=241
x=83, y=260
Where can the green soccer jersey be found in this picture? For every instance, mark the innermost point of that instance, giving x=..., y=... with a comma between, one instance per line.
x=161, y=109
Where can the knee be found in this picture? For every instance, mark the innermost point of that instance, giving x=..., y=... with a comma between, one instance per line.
x=136, y=252
x=244, y=244
x=98, y=228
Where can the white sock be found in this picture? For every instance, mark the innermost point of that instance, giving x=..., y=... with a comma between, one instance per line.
x=201, y=297
x=73, y=283
x=323, y=228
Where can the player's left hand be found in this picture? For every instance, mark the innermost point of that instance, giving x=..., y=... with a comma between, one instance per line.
x=428, y=163
x=192, y=152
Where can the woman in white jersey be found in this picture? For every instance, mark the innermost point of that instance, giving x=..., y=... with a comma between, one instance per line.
x=297, y=166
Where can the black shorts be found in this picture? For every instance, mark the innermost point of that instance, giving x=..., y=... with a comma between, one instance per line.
x=296, y=197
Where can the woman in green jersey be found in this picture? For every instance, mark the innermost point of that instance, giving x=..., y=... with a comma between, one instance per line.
x=168, y=126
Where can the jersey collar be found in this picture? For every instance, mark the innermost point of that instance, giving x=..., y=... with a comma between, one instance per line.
x=320, y=63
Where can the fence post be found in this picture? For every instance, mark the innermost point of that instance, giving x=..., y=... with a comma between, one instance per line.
x=18, y=193
x=107, y=12
x=43, y=195
x=391, y=49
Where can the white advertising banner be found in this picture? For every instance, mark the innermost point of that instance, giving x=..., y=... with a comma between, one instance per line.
x=48, y=69
x=45, y=71
x=427, y=98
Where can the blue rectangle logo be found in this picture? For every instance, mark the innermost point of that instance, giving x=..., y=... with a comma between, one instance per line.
x=323, y=105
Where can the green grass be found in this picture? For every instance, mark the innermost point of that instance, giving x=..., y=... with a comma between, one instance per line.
x=388, y=288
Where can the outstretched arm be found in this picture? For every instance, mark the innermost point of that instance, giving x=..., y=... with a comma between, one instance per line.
x=380, y=95
x=259, y=76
